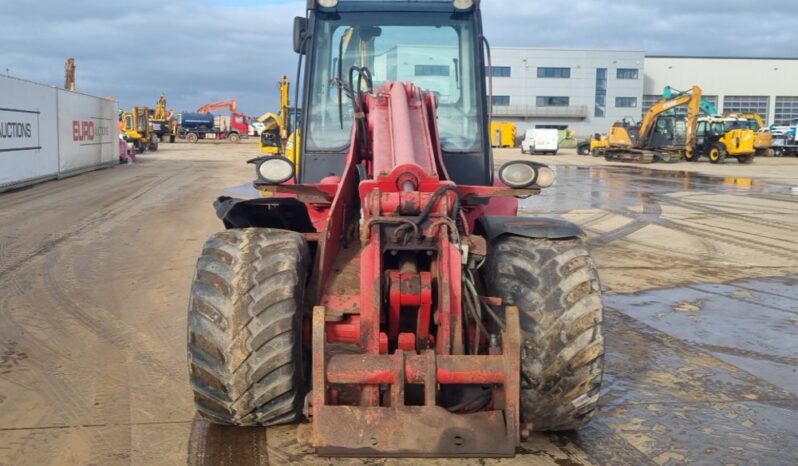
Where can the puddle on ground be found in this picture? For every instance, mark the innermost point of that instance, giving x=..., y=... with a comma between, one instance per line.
x=704, y=374
x=749, y=324
x=612, y=188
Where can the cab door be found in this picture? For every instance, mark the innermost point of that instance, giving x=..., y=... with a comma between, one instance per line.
x=701, y=136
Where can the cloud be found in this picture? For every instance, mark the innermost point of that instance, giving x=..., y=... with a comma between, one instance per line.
x=202, y=51
x=194, y=51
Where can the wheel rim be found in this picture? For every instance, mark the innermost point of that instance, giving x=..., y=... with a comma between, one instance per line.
x=714, y=154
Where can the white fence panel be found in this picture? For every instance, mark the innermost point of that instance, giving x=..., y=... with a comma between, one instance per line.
x=28, y=136
x=88, y=132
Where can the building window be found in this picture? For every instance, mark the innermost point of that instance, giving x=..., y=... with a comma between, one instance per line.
x=501, y=100
x=432, y=70
x=553, y=101
x=554, y=72
x=649, y=100
x=627, y=73
x=499, y=71
x=746, y=104
x=601, y=93
x=626, y=102
x=786, y=110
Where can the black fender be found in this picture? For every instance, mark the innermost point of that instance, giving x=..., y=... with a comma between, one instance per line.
x=279, y=213
x=529, y=227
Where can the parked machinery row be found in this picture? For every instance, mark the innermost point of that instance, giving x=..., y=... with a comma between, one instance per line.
x=663, y=135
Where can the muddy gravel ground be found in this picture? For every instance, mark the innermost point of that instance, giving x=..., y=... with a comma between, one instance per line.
x=699, y=263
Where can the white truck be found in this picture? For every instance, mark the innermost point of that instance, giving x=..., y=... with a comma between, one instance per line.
x=541, y=141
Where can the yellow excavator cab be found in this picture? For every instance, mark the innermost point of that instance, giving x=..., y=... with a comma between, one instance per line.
x=619, y=135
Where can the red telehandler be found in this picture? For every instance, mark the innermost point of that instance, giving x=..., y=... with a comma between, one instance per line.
x=382, y=286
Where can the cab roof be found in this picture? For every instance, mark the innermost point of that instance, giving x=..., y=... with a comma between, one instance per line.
x=392, y=5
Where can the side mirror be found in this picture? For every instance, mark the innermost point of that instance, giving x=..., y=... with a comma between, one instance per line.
x=300, y=30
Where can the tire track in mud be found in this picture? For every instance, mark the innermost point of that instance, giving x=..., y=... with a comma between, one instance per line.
x=743, y=243
x=5, y=257
x=217, y=445
x=103, y=324
x=708, y=209
x=652, y=213
x=116, y=208
x=786, y=360
x=59, y=394
x=64, y=402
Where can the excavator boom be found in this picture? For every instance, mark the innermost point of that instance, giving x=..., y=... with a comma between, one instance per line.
x=707, y=106
x=693, y=101
x=160, y=109
x=231, y=104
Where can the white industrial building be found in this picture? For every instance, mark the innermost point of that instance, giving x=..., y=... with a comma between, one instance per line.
x=588, y=90
x=768, y=86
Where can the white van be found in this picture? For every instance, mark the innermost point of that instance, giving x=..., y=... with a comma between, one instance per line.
x=541, y=141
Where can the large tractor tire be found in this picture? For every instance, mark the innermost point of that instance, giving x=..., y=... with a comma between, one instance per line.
x=555, y=285
x=244, y=327
x=746, y=159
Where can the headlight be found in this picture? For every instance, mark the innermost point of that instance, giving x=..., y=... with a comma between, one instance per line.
x=463, y=4
x=328, y=3
x=275, y=170
x=521, y=174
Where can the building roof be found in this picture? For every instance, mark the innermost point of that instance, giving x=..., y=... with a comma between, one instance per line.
x=708, y=57
x=565, y=49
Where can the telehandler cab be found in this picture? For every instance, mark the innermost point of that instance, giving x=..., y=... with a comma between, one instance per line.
x=384, y=286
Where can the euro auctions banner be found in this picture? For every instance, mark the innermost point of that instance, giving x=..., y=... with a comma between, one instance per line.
x=28, y=142
x=47, y=133
x=88, y=131
x=19, y=130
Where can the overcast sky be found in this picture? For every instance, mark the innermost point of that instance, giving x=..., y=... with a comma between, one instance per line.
x=198, y=51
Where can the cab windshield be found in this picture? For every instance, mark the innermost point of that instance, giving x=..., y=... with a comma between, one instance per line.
x=740, y=124
x=434, y=51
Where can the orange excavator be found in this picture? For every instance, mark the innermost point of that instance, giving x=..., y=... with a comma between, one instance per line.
x=659, y=136
x=212, y=107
